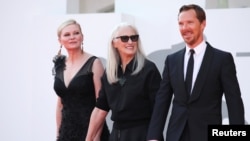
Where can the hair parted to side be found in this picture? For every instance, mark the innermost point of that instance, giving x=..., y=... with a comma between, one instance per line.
x=113, y=59
x=200, y=13
x=66, y=23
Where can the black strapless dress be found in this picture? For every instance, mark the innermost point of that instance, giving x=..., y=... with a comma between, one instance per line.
x=78, y=101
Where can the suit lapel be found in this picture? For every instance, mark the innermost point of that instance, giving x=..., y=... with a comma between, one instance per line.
x=181, y=74
x=202, y=74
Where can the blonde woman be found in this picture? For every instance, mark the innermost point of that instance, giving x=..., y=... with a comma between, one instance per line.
x=77, y=83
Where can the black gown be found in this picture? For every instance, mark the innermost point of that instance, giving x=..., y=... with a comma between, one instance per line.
x=78, y=101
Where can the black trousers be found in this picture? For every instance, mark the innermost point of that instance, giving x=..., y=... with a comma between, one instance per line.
x=137, y=133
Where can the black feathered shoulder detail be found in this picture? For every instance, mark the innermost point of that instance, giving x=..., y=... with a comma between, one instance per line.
x=59, y=63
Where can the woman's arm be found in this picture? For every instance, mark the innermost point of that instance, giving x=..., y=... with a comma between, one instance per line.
x=59, y=107
x=98, y=71
x=96, y=122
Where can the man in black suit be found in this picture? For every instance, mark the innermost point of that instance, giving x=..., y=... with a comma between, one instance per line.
x=214, y=74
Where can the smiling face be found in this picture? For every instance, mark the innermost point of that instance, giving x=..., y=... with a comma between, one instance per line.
x=71, y=37
x=191, y=28
x=125, y=49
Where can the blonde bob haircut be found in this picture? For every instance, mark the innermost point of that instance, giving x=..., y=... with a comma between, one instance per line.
x=113, y=58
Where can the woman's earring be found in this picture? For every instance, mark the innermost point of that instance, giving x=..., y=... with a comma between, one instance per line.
x=60, y=50
x=82, y=47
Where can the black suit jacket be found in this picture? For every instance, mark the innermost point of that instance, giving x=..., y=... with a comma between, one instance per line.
x=217, y=76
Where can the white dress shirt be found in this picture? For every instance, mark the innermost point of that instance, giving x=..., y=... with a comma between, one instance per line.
x=198, y=57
